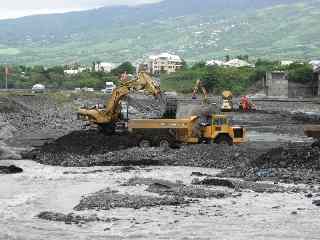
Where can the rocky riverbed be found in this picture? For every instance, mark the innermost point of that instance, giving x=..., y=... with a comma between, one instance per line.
x=72, y=186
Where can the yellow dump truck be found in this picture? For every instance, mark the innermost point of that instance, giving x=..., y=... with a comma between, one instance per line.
x=193, y=130
x=313, y=131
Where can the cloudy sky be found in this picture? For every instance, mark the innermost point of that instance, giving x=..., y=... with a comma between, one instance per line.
x=18, y=8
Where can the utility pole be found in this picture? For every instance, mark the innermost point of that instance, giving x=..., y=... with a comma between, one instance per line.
x=6, y=72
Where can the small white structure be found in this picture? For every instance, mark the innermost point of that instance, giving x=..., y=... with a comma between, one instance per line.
x=74, y=71
x=38, y=88
x=109, y=87
x=104, y=67
x=286, y=62
x=315, y=64
x=214, y=63
x=164, y=62
x=237, y=63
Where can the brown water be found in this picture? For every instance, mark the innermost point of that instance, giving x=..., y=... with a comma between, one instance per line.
x=46, y=188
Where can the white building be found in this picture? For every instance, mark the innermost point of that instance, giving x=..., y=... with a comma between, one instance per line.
x=315, y=64
x=286, y=62
x=214, y=63
x=163, y=62
x=74, y=71
x=237, y=63
x=104, y=67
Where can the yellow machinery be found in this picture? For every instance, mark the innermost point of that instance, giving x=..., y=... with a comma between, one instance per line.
x=198, y=86
x=193, y=130
x=227, y=102
x=313, y=131
x=107, y=116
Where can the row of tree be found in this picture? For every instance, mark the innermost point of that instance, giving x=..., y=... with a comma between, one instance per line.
x=238, y=80
x=24, y=77
x=215, y=78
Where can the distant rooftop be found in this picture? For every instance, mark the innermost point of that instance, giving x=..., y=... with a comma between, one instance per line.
x=170, y=57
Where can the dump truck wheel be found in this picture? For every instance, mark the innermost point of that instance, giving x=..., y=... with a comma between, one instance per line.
x=164, y=143
x=224, y=139
x=144, y=143
x=107, y=129
x=316, y=144
x=171, y=106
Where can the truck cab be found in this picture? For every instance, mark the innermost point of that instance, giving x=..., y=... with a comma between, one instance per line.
x=217, y=129
x=110, y=86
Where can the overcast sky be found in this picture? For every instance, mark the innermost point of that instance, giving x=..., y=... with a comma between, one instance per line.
x=18, y=8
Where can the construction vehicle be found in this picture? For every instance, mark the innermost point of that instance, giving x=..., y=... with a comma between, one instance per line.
x=107, y=116
x=227, y=101
x=193, y=130
x=313, y=131
x=196, y=88
x=246, y=105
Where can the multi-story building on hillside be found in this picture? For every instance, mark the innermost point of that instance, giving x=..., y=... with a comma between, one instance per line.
x=163, y=63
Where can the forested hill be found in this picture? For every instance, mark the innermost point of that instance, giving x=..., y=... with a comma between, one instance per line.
x=191, y=28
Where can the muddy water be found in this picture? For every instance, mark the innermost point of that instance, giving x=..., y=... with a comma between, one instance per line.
x=256, y=136
x=42, y=188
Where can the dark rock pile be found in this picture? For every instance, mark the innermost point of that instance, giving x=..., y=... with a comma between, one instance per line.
x=163, y=187
x=71, y=218
x=10, y=169
x=239, y=185
x=295, y=163
x=107, y=199
x=77, y=153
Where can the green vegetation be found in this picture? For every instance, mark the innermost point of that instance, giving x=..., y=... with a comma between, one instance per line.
x=215, y=78
x=24, y=77
x=238, y=80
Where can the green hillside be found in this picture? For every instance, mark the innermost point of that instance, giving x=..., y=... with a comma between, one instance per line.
x=271, y=29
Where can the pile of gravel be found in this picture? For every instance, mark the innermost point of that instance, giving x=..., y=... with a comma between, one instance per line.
x=107, y=199
x=66, y=153
x=164, y=187
x=295, y=163
x=71, y=218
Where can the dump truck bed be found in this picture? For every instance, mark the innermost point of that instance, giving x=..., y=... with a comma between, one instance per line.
x=312, y=131
x=160, y=123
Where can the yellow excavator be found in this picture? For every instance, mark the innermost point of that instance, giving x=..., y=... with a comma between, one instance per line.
x=107, y=116
x=199, y=85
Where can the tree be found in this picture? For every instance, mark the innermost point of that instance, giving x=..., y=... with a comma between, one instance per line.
x=200, y=64
x=302, y=73
x=243, y=57
x=124, y=67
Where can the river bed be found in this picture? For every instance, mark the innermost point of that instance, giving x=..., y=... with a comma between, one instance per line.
x=47, y=188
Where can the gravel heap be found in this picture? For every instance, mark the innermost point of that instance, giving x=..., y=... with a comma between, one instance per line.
x=10, y=169
x=240, y=185
x=107, y=199
x=163, y=187
x=71, y=218
x=294, y=163
x=202, y=155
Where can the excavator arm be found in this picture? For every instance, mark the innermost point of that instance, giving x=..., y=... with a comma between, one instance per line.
x=107, y=116
x=198, y=86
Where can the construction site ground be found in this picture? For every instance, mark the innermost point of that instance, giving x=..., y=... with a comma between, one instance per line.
x=81, y=183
